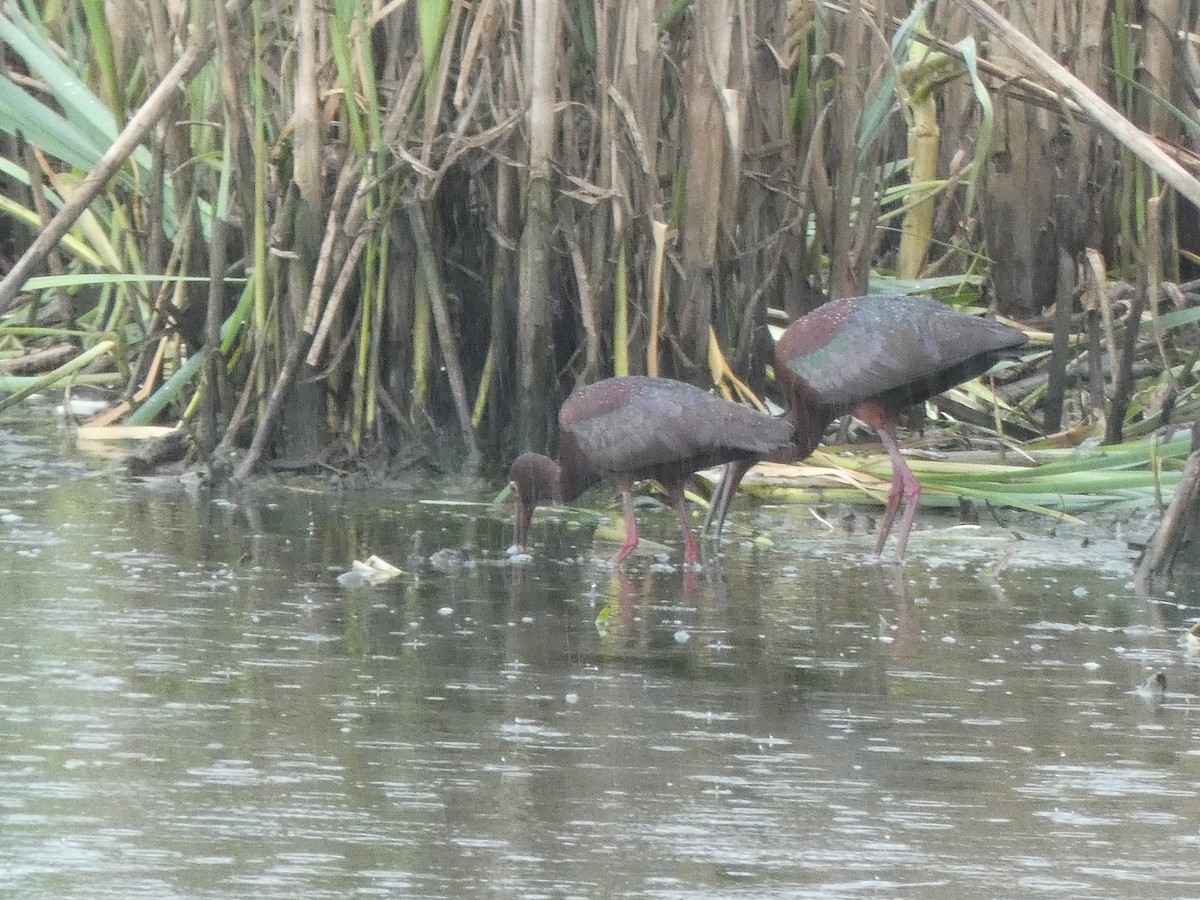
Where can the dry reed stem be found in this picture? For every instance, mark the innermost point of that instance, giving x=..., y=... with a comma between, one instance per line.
x=307, y=115
x=335, y=229
x=587, y=304
x=540, y=57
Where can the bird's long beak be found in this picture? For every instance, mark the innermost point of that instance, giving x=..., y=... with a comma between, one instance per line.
x=523, y=518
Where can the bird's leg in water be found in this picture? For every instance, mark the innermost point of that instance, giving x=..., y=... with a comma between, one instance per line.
x=631, y=532
x=691, y=553
x=904, y=487
x=714, y=499
x=722, y=495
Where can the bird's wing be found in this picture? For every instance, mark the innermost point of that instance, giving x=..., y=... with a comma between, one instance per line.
x=880, y=350
x=663, y=422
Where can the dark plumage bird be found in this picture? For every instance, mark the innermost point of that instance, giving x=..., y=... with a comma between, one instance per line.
x=635, y=428
x=875, y=357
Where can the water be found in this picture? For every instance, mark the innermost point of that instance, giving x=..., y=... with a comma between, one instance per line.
x=190, y=706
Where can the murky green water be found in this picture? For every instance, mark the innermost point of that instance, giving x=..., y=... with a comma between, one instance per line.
x=190, y=706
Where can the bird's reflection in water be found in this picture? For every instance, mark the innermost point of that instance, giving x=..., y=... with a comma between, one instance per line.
x=648, y=613
x=901, y=636
x=616, y=616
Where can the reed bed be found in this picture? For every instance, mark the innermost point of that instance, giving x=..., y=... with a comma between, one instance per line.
x=318, y=234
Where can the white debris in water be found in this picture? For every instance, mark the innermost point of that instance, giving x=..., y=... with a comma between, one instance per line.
x=1080, y=591
x=662, y=568
x=526, y=620
x=445, y=611
x=682, y=637
x=571, y=699
x=949, y=639
x=1091, y=666
x=9, y=518
x=78, y=406
x=370, y=571
x=789, y=572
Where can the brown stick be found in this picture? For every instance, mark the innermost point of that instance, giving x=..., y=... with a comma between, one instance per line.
x=1165, y=541
x=1123, y=368
x=40, y=361
x=127, y=141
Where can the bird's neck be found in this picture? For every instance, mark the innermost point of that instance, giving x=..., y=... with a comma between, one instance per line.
x=809, y=420
x=549, y=479
x=575, y=474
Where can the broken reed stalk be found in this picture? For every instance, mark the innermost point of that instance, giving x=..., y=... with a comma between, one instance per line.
x=1173, y=528
x=1064, y=300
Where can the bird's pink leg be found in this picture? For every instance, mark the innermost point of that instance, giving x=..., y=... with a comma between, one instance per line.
x=691, y=553
x=904, y=487
x=631, y=532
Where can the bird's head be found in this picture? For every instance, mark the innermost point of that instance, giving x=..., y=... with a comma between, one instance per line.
x=534, y=479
